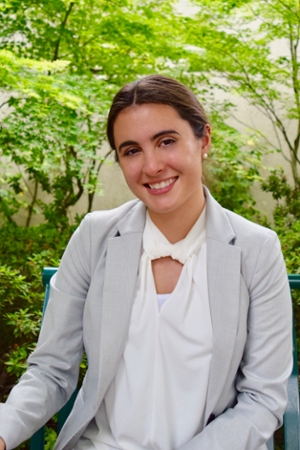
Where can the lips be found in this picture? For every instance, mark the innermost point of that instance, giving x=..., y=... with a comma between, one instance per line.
x=162, y=184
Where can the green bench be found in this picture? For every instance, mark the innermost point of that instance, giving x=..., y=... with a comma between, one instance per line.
x=291, y=424
x=291, y=417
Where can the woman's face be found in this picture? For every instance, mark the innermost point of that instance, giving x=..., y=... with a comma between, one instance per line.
x=160, y=157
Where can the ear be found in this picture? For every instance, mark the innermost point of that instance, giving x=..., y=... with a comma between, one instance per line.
x=206, y=140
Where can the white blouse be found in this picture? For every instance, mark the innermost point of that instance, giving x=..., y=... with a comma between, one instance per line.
x=157, y=399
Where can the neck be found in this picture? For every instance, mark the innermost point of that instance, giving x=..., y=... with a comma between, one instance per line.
x=175, y=225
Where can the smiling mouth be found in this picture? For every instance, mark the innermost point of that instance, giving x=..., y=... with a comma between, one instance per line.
x=162, y=184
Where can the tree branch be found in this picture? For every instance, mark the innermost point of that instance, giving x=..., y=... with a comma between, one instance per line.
x=4, y=103
x=284, y=5
x=92, y=194
x=62, y=27
x=293, y=50
x=24, y=180
x=263, y=136
x=270, y=109
x=31, y=206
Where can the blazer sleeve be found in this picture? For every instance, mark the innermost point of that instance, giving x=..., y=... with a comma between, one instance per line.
x=266, y=365
x=53, y=367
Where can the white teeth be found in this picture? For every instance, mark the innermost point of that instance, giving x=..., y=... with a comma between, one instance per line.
x=162, y=184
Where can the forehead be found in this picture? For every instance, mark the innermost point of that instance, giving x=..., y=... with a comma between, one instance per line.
x=146, y=120
x=155, y=111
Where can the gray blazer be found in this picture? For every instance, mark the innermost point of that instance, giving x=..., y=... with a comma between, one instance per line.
x=90, y=308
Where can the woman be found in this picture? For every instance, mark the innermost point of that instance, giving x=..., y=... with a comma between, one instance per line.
x=182, y=307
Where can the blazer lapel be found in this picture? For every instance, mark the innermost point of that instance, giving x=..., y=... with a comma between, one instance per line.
x=223, y=277
x=223, y=270
x=121, y=270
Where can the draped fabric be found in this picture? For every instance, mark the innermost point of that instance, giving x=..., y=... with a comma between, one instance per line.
x=156, y=245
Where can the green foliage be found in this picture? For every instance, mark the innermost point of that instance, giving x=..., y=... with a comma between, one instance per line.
x=233, y=42
x=97, y=37
x=231, y=172
x=57, y=146
x=23, y=253
x=52, y=137
x=286, y=216
x=67, y=101
x=50, y=438
x=14, y=293
x=12, y=285
x=60, y=63
x=16, y=364
x=30, y=77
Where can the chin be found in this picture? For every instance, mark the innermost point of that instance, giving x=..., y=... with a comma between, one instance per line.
x=161, y=210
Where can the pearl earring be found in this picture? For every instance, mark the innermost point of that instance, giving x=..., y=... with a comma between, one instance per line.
x=204, y=155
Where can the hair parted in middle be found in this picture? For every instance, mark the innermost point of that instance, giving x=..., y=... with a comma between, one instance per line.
x=158, y=89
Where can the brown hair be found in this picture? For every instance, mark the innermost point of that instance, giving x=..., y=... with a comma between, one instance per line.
x=158, y=89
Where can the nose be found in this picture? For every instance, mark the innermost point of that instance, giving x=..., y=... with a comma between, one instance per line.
x=153, y=163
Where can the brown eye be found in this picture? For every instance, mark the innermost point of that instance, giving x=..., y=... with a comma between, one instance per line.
x=131, y=151
x=167, y=141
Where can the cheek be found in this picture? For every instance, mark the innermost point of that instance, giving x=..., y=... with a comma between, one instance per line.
x=130, y=172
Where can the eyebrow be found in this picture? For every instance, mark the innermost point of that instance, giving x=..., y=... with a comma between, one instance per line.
x=155, y=136
x=161, y=133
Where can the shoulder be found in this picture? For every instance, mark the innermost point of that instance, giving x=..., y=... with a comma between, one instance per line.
x=98, y=226
x=261, y=256
x=247, y=231
x=228, y=227
x=259, y=247
x=114, y=214
x=108, y=218
x=253, y=239
x=89, y=241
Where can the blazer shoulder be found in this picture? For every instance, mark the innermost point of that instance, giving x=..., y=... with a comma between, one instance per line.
x=227, y=226
x=111, y=215
x=260, y=250
x=88, y=244
x=245, y=230
x=105, y=223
